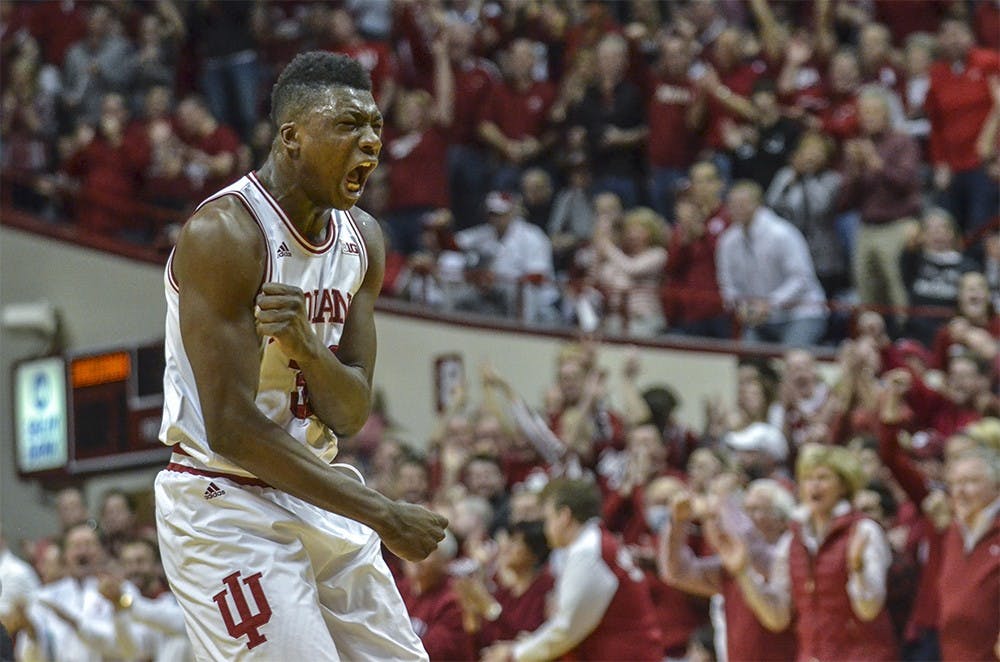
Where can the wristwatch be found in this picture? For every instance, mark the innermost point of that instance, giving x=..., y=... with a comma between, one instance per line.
x=125, y=601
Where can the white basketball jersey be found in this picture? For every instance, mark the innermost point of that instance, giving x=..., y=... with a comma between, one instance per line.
x=329, y=275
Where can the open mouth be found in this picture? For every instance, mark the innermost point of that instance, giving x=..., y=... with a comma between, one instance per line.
x=356, y=178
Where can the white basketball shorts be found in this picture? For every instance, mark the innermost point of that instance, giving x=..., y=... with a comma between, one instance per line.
x=263, y=575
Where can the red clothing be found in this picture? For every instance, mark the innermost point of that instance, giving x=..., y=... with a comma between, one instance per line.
x=629, y=630
x=970, y=595
x=825, y=625
x=914, y=483
x=934, y=410
x=418, y=169
x=625, y=515
x=691, y=292
x=109, y=183
x=840, y=117
x=740, y=80
x=746, y=639
x=377, y=60
x=221, y=140
x=671, y=143
x=523, y=613
x=944, y=347
x=57, y=26
x=904, y=17
x=436, y=615
x=520, y=114
x=474, y=81
x=957, y=105
x=678, y=615
x=987, y=24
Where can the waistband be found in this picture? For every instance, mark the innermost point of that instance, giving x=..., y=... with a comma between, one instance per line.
x=240, y=480
x=186, y=469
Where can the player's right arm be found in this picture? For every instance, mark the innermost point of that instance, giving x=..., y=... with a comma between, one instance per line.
x=219, y=264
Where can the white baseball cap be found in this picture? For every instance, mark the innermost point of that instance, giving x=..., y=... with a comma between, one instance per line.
x=761, y=437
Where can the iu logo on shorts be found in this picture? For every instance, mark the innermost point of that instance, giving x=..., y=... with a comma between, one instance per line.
x=249, y=624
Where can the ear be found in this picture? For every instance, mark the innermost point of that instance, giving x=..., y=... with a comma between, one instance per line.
x=289, y=135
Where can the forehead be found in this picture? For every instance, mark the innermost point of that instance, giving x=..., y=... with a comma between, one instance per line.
x=335, y=100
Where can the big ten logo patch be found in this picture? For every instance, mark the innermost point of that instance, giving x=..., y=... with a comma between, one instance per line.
x=249, y=623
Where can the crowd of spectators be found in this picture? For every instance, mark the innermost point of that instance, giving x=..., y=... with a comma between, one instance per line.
x=613, y=132
x=853, y=515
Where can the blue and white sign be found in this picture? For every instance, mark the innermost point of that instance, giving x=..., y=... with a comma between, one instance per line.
x=40, y=414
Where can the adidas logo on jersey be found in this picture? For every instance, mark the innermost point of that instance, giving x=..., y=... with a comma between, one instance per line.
x=283, y=250
x=213, y=491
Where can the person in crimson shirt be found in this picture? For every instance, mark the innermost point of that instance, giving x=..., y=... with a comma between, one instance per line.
x=375, y=56
x=969, y=621
x=957, y=105
x=838, y=116
x=603, y=609
x=831, y=573
x=214, y=152
x=515, y=121
x=769, y=507
x=693, y=302
x=672, y=120
x=468, y=173
x=109, y=171
x=56, y=26
x=726, y=84
x=521, y=587
x=962, y=400
x=434, y=606
x=415, y=147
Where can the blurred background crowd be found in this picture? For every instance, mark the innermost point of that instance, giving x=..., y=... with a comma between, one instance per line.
x=807, y=172
x=549, y=160
x=850, y=512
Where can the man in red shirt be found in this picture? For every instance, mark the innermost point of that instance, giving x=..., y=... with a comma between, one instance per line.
x=515, y=122
x=957, y=105
x=603, y=609
x=694, y=305
x=468, y=173
x=376, y=57
x=215, y=154
x=671, y=121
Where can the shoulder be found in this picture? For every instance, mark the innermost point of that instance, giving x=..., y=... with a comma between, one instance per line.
x=223, y=234
x=371, y=233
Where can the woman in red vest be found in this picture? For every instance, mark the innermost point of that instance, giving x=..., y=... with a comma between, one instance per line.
x=833, y=571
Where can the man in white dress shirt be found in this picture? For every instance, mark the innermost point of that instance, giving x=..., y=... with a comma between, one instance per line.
x=766, y=274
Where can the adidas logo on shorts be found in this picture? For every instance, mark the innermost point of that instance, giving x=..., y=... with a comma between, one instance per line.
x=213, y=491
x=284, y=251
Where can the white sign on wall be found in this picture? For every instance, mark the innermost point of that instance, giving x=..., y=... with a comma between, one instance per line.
x=40, y=414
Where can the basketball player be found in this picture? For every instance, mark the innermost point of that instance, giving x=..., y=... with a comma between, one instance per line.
x=272, y=551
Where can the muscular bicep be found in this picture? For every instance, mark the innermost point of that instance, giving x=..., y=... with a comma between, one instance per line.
x=219, y=265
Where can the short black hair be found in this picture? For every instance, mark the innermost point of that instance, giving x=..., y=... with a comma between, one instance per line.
x=532, y=533
x=312, y=72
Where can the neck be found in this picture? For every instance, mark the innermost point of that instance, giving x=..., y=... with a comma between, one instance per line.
x=274, y=176
x=820, y=521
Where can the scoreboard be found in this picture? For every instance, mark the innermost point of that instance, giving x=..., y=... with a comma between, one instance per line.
x=89, y=411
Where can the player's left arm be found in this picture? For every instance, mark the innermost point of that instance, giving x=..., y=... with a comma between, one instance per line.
x=340, y=384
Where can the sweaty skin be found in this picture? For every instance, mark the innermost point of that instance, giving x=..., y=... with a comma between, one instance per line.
x=219, y=264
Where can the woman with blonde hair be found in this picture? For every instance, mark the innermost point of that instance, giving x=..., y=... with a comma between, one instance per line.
x=629, y=273
x=832, y=573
